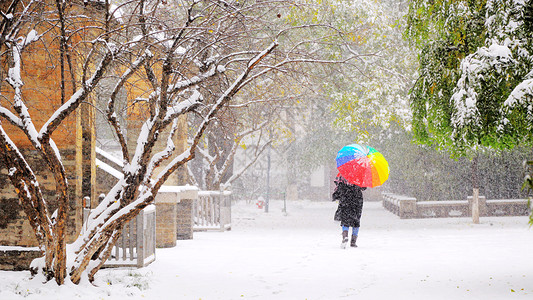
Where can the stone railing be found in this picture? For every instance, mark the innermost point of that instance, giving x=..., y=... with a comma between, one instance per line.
x=161, y=225
x=175, y=214
x=178, y=212
x=403, y=206
x=212, y=211
x=16, y=258
x=173, y=203
x=409, y=207
x=136, y=244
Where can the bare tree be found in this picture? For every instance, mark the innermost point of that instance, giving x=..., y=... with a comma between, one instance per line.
x=173, y=58
x=245, y=125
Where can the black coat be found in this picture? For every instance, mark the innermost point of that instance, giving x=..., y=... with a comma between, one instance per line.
x=350, y=198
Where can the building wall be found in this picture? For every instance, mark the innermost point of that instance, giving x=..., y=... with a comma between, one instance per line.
x=74, y=138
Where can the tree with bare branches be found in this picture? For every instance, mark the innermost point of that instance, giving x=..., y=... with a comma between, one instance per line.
x=170, y=58
x=250, y=124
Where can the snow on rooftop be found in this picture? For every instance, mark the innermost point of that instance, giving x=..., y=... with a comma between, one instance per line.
x=110, y=170
x=177, y=189
x=18, y=248
x=109, y=156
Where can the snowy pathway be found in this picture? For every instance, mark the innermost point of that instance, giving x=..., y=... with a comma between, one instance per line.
x=297, y=256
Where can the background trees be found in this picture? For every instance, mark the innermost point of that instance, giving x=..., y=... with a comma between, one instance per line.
x=474, y=87
x=422, y=172
x=373, y=92
x=370, y=101
x=355, y=101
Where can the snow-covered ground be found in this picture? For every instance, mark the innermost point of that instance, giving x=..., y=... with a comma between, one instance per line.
x=297, y=256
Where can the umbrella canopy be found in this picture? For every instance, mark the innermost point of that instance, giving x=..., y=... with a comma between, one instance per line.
x=362, y=165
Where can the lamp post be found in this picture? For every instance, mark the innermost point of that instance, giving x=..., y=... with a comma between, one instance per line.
x=267, y=201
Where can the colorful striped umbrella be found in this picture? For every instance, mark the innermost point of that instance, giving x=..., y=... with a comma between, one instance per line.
x=362, y=165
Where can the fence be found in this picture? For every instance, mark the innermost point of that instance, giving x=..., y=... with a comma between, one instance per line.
x=212, y=211
x=409, y=207
x=136, y=245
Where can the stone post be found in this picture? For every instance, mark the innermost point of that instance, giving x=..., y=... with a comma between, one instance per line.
x=407, y=208
x=166, y=226
x=477, y=206
x=184, y=216
x=225, y=210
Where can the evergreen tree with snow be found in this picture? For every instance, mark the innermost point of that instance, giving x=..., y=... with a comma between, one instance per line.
x=475, y=85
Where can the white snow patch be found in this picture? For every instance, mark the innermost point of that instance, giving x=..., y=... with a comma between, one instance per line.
x=518, y=95
x=12, y=171
x=180, y=51
x=497, y=51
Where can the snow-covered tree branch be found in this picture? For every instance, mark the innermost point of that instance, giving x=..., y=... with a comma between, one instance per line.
x=181, y=58
x=475, y=73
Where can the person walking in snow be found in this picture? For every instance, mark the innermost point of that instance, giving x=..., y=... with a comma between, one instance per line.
x=350, y=197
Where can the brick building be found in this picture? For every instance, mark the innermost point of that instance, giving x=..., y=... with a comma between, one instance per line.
x=76, y=139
